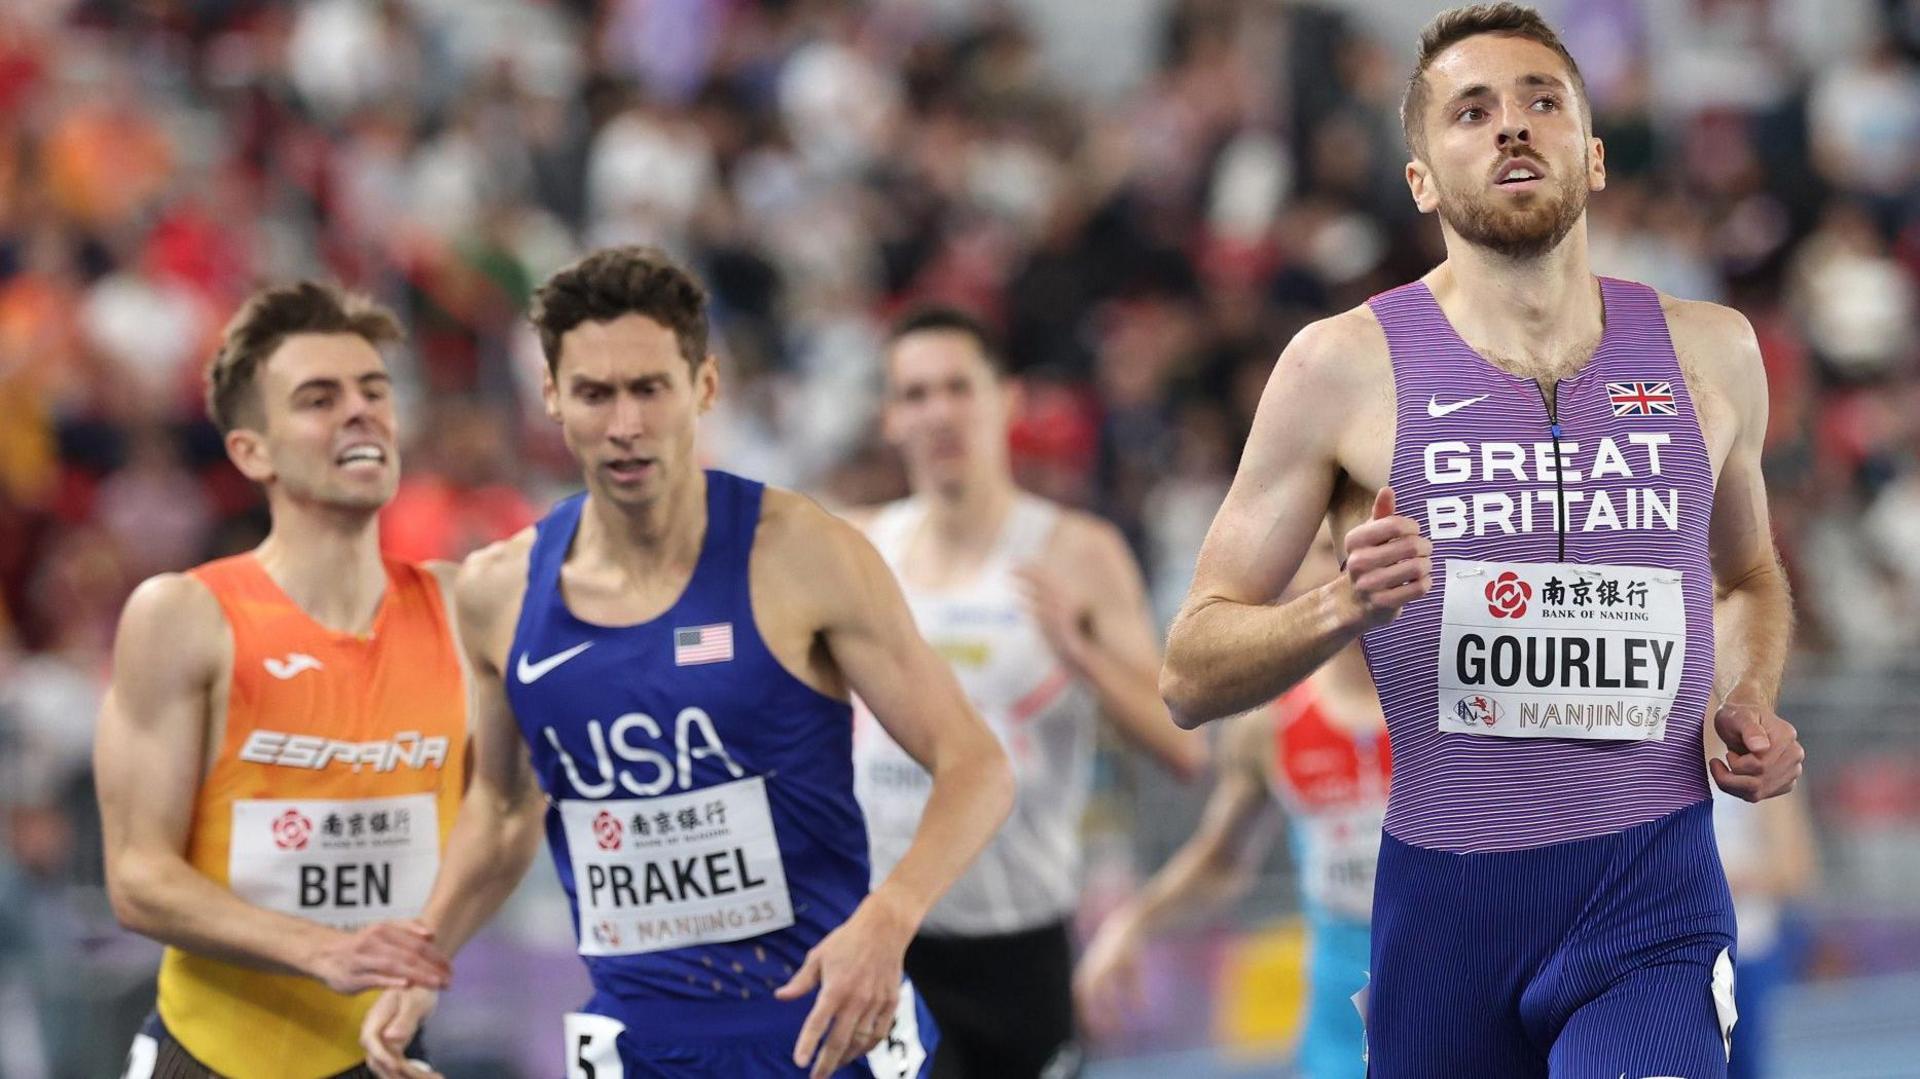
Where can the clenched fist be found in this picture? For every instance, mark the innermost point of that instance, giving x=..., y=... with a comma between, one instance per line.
x=1389, y=563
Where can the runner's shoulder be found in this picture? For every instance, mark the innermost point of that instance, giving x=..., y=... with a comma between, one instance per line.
x=794, y=526
x=810, y=556
x=1342, y=353
x=492, y=577
x=860, y=517
x=180, y=605
x=1087, y=542
x=173, y=615
x=1711, y=337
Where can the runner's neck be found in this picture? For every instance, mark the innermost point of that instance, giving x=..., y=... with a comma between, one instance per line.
x=963, y=526
x=662, y=535
x=330, y=568
x=1529, y=312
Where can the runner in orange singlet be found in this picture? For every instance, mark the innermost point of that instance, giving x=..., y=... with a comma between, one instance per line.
x=282, y=751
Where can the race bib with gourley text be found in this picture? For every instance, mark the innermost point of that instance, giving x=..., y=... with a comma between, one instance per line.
x=1560, y=650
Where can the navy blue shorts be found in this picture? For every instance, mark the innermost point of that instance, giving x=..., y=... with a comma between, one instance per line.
x=1593, y=959
x=667, y=1039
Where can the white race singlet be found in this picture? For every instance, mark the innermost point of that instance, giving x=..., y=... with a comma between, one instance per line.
x=1029, y=874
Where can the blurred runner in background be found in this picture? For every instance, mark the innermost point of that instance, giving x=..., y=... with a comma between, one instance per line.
x=1772, y=860
x=1041, y=612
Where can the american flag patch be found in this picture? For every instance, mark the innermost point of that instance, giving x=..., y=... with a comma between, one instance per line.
x=1642, y=399
x=702, y=644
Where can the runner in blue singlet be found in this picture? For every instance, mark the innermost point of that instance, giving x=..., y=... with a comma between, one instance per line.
x=677, y=648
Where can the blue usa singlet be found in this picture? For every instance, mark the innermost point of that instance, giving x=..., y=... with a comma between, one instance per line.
x=702, y=817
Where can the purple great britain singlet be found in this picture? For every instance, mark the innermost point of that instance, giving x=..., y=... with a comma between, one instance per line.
x=1552, y=685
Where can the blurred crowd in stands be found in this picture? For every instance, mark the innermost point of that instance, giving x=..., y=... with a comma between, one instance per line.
x=1146, y=228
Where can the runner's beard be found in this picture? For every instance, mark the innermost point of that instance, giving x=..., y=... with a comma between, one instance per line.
x=1517, y=231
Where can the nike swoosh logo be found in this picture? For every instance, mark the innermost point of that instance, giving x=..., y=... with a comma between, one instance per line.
x=532, y=672
x=295, y=662
x=1437, y=410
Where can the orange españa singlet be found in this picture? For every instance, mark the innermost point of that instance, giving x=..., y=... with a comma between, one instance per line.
x=334, y=788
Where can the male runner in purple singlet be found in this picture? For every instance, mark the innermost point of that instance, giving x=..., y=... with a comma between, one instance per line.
x=1550, y=493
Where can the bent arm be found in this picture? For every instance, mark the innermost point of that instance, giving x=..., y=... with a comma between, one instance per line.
x=494, y=838
x=870, y=634
x=1753, y=611
x=1119, y=659
x=1231, y=648
x=147, y=762
x=1214, y=867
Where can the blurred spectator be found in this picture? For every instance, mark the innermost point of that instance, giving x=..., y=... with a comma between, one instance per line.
x=1147, y=236
x=104, y=157
x=667, y=46
x=839, y=102
x=462, y=496
x=647, y=173
x=1857, y=303
x=157, y=511
x=343, y=55
x=150, y=331
x=1865, y=116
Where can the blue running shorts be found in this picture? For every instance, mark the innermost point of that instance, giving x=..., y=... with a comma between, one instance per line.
x=670, y=1039
x=1594, y=959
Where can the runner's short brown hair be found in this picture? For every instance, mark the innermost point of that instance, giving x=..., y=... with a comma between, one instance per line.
x=264, y=322
x=1450, y=28
x=616, y=281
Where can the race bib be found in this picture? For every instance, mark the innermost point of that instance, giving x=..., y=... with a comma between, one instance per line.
x=1559, y=650
x=341, y=862
x=901, y=1053
x=652, y=874
x=593, y=1046
x=1339, y=849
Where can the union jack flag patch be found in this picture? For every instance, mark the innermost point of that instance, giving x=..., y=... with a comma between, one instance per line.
x=1642, y=399
x=694, y=645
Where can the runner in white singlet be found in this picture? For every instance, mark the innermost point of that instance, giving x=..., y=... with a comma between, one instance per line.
x=1042, y=614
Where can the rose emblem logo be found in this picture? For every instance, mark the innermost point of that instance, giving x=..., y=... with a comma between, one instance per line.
x=606, y=829
x=1507, y=595
x=291, y=830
